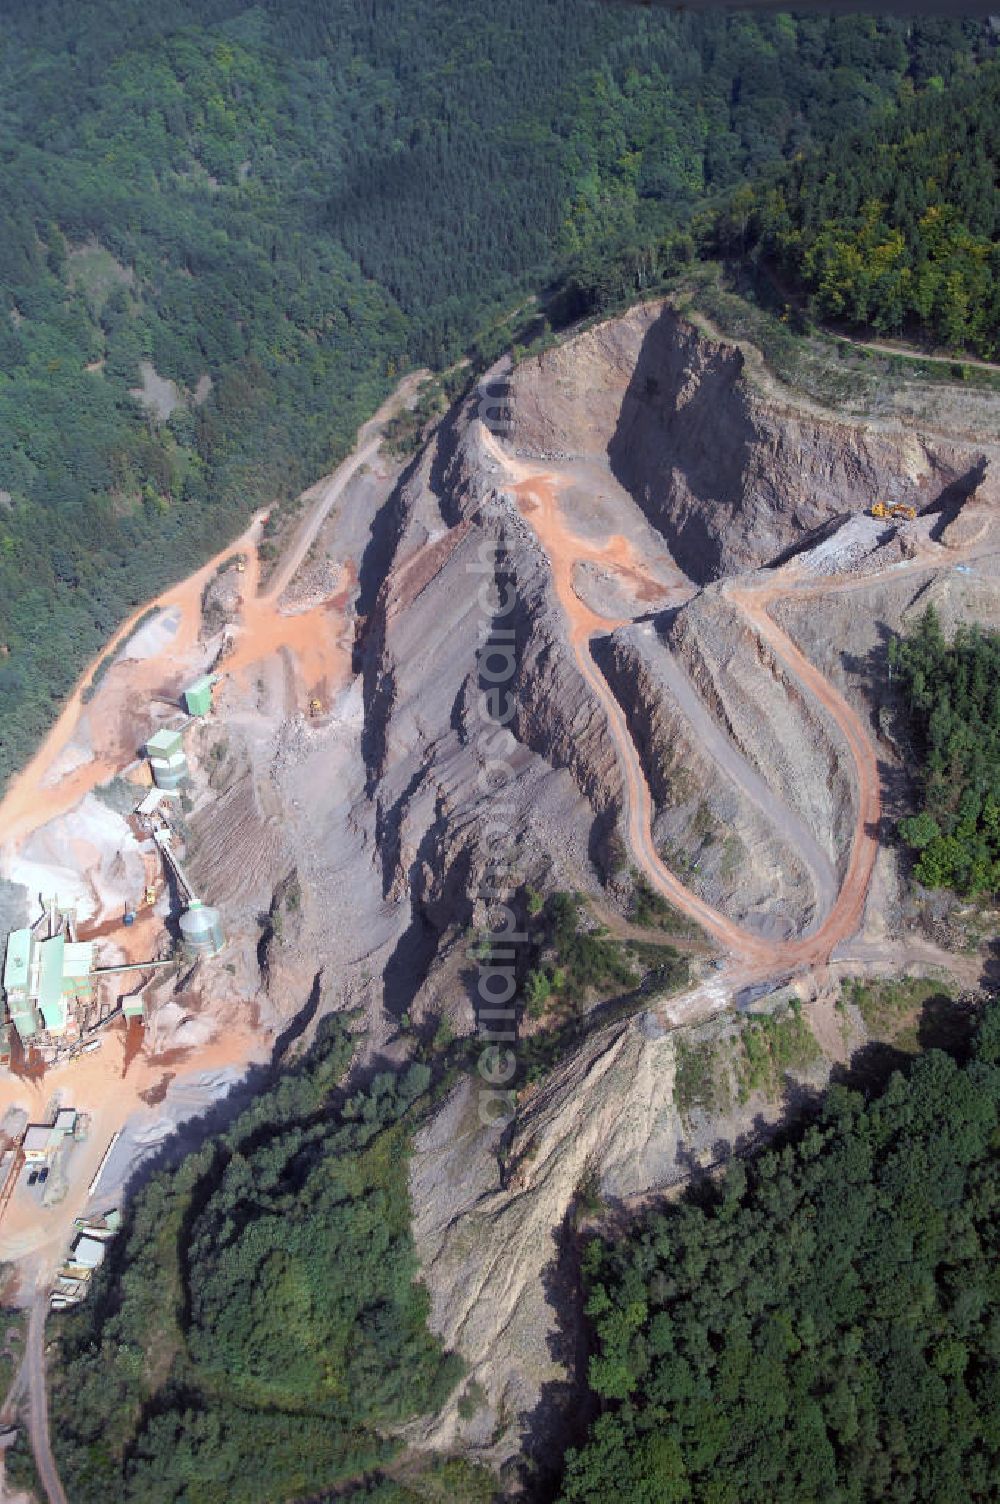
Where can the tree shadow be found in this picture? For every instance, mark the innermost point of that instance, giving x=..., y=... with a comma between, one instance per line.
x=949, y=1024
x=990, y=978
x=566, y=1407
x=870, y=1068
x=888, y=722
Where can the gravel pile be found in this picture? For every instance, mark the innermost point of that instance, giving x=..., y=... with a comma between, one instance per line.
x=845, y=550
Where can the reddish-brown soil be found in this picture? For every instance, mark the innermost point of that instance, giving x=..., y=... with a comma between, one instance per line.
x=110, y=1088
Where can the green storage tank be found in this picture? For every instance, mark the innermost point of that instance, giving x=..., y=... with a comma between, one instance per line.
x=201, y=929
x=166, y=759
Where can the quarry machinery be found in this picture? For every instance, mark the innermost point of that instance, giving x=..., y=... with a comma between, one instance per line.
x=896, y=509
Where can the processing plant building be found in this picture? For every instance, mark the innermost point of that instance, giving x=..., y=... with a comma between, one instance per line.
x=42, y=978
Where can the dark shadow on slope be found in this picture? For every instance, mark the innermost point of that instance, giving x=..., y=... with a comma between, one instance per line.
x=953, y=498
x=383, y=541
x=870, y=1067
x=446, y=441
x=407, y=967
x=654, y=440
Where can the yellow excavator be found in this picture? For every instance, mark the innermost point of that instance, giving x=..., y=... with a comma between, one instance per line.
x=894, y=509
x=315, y=707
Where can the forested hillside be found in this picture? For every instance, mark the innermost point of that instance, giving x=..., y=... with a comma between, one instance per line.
x=257, y=1333
x=278, y=207
x=827, y=1326
x=896, y=226
x=951, y=693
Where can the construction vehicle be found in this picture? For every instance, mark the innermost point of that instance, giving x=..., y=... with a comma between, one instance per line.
x=150, y=896
x=894, y=509
x=241, y=565
x=315, y=707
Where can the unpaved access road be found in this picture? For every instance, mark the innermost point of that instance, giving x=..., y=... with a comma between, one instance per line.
x=328, y=494
x=116, y=1092
x=38, y=1405
x=37, y=794
x=536, y=495
x=752, y=955
x=909, y=352
x=41, y=791
x=845, y=917
x=325, y=495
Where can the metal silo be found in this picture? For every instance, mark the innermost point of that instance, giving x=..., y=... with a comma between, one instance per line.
x=201, y=930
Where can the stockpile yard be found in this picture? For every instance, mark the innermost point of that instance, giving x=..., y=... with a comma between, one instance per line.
x=132, y=987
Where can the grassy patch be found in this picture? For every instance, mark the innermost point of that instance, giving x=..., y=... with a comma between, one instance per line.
x=769, y=1046
x=899, y=1009
x=650, y=909
x=404, y=432
x=96, y=272
x=701, y=1080
x=13, y=1328
x=574, y=978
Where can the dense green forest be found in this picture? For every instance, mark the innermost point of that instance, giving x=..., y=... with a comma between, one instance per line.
x=261, y=1304
x=951, y=695
x=824, y=1325
x=895, y=226
x=278, y=207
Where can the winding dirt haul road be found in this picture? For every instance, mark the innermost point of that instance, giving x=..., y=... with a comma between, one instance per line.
x=752, y=955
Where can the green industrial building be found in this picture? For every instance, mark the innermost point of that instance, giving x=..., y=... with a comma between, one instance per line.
x=50, y=985
x=198, y=696
x=41, y=978
x=165, y=751
x=17, y=982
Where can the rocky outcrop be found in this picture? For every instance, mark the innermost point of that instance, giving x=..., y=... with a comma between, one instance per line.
x=753, y=785
x=718, y=824
x=463, y=631
x=732, y=475
x=770, y=719
x=489, y=1244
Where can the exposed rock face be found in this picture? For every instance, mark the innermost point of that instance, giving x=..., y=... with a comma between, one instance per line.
x=730, y=475
x=464, y=629
x=489, y=1250
x=717, y=825
x=769, y=718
